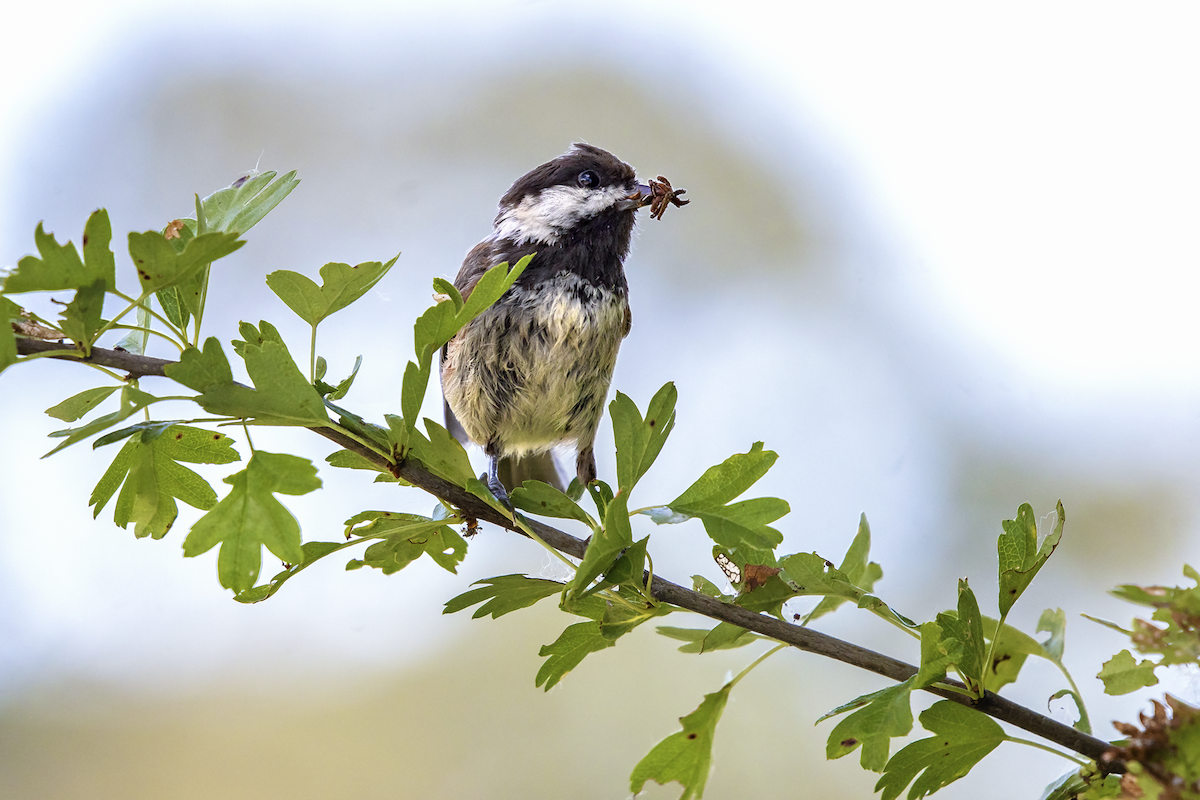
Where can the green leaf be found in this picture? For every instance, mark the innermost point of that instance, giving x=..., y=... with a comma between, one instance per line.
x=937, y=654
x=159, y=266
x=544, y=500
x=81, y=318
x=313, y=551
x=880, y=717
x=620, y=619
x=741, y=528
x=965, y=630
x=282, y=395
x=341, y=285
x=439, y=323
x=148, y=468
x=639, y=440
x=60, y=266
x=239, y=207
x=1176, y=608
x=1009, y=650
x=348, y=459
x=502, y=595
x=80, y=404
x=1020, y=556
x=630, y=567
x=405, y=538
x=858, y=569
x=575, y=643
x=1054, y=622
x=962, y=737
x=412, y=394
x=132, y=401
x=685, y=756
x=201, y=370
x=1123, y=674
x=441, y=454
x=135, y=341
x=605, y=546
x=698, y=640
x=9, y=311
x=250, y=517
x=343, y=387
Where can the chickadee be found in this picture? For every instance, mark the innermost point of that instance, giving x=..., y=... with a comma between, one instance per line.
x=532, y=372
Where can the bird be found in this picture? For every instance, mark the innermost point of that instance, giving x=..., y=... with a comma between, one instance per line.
x=532, y=372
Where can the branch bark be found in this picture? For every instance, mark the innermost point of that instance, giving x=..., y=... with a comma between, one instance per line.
x=800, y=637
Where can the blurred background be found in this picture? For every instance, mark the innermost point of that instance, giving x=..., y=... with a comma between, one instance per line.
x=941, y=258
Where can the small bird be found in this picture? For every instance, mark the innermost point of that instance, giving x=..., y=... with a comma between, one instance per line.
x=532, y=372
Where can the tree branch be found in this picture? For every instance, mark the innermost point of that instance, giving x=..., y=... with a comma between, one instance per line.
x=800, y=637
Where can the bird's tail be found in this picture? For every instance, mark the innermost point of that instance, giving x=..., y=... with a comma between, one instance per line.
x=539, y=467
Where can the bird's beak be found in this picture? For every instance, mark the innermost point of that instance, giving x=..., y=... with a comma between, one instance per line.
x=642, y=197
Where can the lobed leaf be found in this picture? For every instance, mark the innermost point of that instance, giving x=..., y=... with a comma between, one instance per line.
x=1019, y=554
x=151, y=479
x=60, y=266
x=239, y=207
x=880, y=716
x=962, y=737
x=639, y=440
x=503, y=595
x=160, y=266
x=568, y=650
x=1123, y=674
x=685, y=756
x=250, y=518
x=341, y=285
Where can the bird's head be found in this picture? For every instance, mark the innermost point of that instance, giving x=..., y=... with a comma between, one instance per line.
x=583, y=184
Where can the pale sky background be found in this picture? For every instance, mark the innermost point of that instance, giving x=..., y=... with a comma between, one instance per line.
x=1007, y=191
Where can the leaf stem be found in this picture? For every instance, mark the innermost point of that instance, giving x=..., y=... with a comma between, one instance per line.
x=1048, y=749
x=142, y=302
x=756, y=662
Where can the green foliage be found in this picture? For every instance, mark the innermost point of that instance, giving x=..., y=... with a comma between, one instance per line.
x=1020, y=555
x=133, y=400
x=503, y=595
x=405, y=537
x=962, y=737
x=159, y=265
x=610, y=593
x=685, y=756
x=151, y=479
x=250, y=518
x=878, y=717
x=639, y=440
x=60, y=266
x=242, y=205
x=9, y=312
x=281, y=395
x=740, y=528
x=1123, y=674
x=341, y=285
x=568, y=650
x=962, y=633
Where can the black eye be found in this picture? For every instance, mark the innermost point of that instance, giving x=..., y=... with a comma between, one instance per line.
x=589, y=179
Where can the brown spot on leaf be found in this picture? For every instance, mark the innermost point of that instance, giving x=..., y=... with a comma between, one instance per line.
x=849, y=742
x=691, y=736
x=756, y=575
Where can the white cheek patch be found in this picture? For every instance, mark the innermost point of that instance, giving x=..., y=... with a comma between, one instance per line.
x=544, y=216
